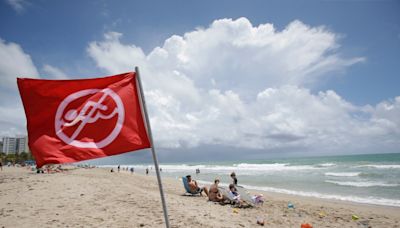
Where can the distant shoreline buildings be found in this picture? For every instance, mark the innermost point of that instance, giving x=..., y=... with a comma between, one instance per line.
x=14, y=145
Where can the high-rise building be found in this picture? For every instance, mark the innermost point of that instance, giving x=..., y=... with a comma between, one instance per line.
x=12, y=145
x=22, y=144
x=9, y=145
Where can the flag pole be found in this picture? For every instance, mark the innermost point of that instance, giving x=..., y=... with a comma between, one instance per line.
x=152, y=147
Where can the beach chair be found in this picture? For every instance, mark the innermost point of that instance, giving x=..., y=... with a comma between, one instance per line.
x=187, y=188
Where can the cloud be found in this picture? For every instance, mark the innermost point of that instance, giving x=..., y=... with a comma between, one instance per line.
x=18, y=5
x=14, y=62
x=54, y=72
x=247, y=86
x=233, y=55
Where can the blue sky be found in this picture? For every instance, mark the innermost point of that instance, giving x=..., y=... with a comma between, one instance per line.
x=356, y=43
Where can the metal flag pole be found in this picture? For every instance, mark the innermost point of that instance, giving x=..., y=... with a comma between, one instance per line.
x=152, y=147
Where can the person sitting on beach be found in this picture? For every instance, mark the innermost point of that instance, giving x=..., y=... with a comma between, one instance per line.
x=233, y=176
x=194, y=187
x=214, y=194
x=233, y=193
x=59, y=168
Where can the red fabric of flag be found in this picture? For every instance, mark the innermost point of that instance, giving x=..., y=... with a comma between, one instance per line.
x=75, y=120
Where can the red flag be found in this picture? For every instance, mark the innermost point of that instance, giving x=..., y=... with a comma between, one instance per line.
x=75, y=120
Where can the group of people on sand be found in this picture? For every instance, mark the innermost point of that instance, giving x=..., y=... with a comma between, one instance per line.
x=216, y=195
x=131, y=169
x=220, y=195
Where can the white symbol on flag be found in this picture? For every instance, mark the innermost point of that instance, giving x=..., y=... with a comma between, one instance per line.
x=86, y=116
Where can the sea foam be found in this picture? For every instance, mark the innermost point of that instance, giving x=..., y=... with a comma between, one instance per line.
x=381, y=166
x=362, y=184
x=349, y=174
x=326, y=165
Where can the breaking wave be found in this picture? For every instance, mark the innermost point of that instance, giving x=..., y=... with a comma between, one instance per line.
x=381, y=166
x=349, y=174
x=362, y=184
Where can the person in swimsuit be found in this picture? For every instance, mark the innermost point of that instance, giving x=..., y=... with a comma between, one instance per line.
x=194, y=187
x=214, y=194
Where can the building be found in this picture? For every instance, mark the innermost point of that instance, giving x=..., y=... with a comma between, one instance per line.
x=12, y=145
x=22, y=144
x=9, y=145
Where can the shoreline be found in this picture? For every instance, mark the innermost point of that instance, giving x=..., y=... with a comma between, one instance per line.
x=97, y=198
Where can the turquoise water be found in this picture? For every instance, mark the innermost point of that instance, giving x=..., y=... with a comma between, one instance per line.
x=373, y=179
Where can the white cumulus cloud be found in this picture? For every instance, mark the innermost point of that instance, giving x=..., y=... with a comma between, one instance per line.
x=54, y=72
x=248, y=86
x=14, y=62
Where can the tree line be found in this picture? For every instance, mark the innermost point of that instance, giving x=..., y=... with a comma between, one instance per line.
x=16, y=158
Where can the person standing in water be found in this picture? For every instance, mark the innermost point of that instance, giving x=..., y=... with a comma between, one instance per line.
x=233, y=176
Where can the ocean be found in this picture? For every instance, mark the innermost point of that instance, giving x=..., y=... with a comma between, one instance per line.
x=371, y=179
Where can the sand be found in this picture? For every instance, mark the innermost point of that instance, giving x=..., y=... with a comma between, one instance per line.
x=97, y=198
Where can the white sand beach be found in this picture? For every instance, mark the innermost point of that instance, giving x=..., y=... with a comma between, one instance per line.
x=98, y=198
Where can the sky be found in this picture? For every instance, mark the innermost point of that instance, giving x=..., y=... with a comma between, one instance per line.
x=223, y=79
